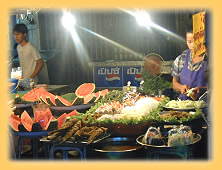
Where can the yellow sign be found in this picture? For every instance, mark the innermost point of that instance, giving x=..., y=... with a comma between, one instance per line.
x=199, y=33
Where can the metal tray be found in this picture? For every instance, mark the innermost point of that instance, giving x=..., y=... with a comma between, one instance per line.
x=71, y=108
x=19, y=106
x=118, y=143
x=196, y=139
x=183, y=109
x=30, y=134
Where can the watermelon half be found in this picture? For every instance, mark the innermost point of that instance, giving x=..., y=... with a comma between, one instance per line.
x=85, y=89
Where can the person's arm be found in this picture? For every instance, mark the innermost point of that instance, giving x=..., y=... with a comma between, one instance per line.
x=177, y=86
x=38, y=67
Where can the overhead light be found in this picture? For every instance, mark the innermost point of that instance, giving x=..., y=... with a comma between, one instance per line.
x=143, y=18
x=68, y=20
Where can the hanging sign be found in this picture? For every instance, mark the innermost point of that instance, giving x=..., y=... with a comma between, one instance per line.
x=199, y=33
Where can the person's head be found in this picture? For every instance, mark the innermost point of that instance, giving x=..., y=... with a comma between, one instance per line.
x=20, y=32
x=189, y=38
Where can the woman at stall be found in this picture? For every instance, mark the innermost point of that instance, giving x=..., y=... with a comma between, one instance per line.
x=189, y=72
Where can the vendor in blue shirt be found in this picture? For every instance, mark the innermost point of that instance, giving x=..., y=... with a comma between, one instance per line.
x=189, y=72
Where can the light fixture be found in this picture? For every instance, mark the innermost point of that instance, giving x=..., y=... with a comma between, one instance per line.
x=143, y=18
x=68, y=20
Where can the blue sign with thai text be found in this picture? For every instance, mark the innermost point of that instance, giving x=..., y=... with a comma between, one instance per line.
x=132, y=74
x=108, y=76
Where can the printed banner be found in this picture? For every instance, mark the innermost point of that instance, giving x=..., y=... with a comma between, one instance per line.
x=199, y=33
x=132, y=74
x=108, y=76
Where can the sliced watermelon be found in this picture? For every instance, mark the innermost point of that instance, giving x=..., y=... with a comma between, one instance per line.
x=43, y=117
x=43, y=99
x=61, y=101
x=36, y=127
x=34, y=94
x=78, y=101
x=73, y=113
x=104, y=92
x=31, y=96
x=53, y=125
x=98, y=96
x=27, y=121
x=14, y=121
x=90, y=98
x=85, y=89
x=51, y=101
x=69, y=96
x=62, y=119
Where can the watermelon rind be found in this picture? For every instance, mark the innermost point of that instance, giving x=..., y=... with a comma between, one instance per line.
x=78, y=101
x=36, y=127
x=69, y=96
x=61, y=101
x=41, y=99
x=49, y=101
x=85, y=89
x=22, y=128
x=53, y=125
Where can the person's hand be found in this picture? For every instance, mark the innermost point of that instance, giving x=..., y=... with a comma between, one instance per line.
x=195, y=93
x=26, y=82
x=184, y=88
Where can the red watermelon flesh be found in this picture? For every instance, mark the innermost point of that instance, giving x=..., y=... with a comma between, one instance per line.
x=104, y=92
x=14, y=121
x=85, y=89
x=73, y=113
x=43, y=117
x=27, y=121
x=35, y=94
x=62, y=119
x=31, y=96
